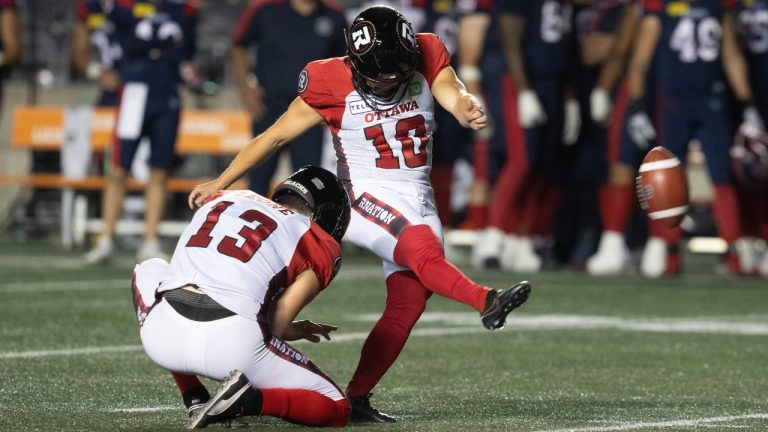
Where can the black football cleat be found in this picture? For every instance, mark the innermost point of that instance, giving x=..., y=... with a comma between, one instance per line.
x=499, y=304
x=363, y=412
x=235, y=398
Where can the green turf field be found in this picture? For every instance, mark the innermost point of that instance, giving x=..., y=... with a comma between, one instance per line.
x=584, y=354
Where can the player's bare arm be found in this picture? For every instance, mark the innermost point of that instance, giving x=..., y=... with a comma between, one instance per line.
x=734, y=64
x=530, y=112
x=251, y=92
x=9, y=32
x=613, y=67
x=650, y=29
x=297, y=119
x=80, y=55
x=454, y=97
x=296, y=296
x=512, y=28
x=472, y=31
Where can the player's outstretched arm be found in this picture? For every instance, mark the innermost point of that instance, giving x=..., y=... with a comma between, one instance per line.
x=297, y=119
x=454, y=97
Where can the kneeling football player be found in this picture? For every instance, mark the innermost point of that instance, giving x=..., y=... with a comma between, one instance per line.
x=241, y=272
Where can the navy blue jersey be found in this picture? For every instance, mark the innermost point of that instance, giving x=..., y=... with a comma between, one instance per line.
x=492, y=44
x=752, y=22
x=155, y=39
x=602, y=16
x=4, y=4
x=286, y=41
x=101, y=31
x=441, y=19
x=546, y=42
x=688, y=52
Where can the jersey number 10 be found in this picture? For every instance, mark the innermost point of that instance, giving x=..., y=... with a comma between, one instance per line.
x=403, y=128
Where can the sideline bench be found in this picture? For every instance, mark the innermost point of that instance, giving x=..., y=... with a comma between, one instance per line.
x=43, y=128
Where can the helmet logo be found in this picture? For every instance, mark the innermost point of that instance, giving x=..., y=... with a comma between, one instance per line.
x=407, y=37
x=363, y=33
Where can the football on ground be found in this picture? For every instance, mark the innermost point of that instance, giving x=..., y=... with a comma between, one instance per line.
x=662, y=187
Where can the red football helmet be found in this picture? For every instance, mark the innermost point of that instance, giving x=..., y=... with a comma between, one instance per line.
x=749, y=156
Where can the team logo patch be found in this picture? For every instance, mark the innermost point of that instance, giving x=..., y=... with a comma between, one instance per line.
x=361, y=35
x=303, y=81
x=414, y=89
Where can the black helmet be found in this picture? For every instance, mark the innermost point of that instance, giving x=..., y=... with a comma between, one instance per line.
x=324, y=194
x=382, y=49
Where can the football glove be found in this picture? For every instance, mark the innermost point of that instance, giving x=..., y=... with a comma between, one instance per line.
x=752, y=121
x=639, y=125
x=529, y=110
x=572, y=124
x=600, y=105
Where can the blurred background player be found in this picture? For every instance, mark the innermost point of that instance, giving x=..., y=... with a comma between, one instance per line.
x=157, y=39
x=601, y=44
x=93, y=30
x=752, y=29
x=481, y=68
x=378, y=102
x=695, y=44
x=536, y=38
x=608, y=109
x=242, y=270
x=10, y=45
x=269, y=86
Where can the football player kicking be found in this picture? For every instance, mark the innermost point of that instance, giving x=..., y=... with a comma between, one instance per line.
x=378, y=103
x=241, y=272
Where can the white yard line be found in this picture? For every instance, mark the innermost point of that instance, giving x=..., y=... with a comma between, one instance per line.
x=469, y=323
x=691, y=423
x=64, y=286
x=343, y=337
x=41, y=261
x=69, y=351
x=147, y=409
x=708, y=325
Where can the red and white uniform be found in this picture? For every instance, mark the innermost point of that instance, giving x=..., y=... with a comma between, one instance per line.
x=242, y=250
x=383, y=157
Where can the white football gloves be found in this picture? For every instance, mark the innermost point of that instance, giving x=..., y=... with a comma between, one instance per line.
x=752, y=121
x=600, y=105
x=639, y=125
x=572, y=124
x=529, y=110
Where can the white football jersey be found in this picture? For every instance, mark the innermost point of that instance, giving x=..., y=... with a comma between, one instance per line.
x=243, y=250
x=393, y=146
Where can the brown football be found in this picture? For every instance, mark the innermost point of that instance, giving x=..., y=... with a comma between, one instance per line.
x=662, y=187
